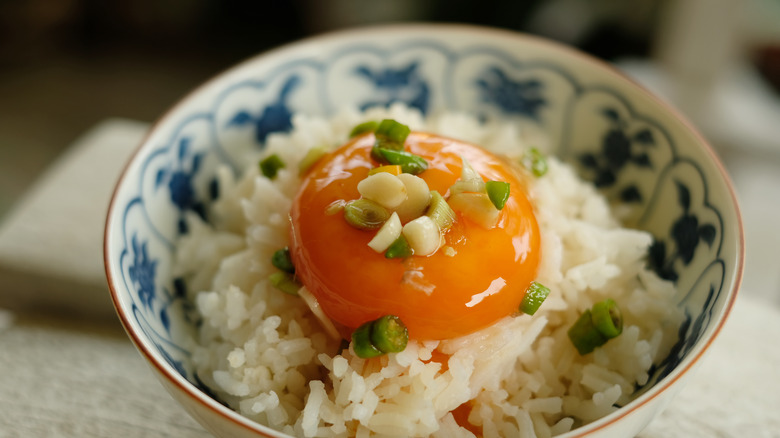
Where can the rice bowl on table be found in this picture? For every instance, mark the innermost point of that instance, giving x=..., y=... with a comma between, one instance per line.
x=401, y=267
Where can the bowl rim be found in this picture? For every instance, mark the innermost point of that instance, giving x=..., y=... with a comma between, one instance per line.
x=166, y=370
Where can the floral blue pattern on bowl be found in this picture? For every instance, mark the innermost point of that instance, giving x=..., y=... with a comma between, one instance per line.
x=628, y=152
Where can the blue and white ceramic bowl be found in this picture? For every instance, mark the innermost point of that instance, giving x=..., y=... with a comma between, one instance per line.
x=634, y=147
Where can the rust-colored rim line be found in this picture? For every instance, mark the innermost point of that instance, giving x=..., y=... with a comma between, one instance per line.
x=177, y=380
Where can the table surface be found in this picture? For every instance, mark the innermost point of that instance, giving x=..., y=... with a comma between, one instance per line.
x=70, y=371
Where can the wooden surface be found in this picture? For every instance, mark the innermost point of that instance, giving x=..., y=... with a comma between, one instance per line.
x=74, y=373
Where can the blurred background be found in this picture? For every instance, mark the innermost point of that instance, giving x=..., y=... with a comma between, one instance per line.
x=65, y=65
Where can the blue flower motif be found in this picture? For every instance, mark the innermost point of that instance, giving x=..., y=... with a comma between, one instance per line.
x=405, y=85
x=686, y=233
x=512, y=97
x=179, y=177
x=182, y=193
x=177, y=364
x=275, y=117
x=142, y=273
x=687, y=335
x=619, y=148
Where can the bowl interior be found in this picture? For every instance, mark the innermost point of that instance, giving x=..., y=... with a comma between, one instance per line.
x=629, y=144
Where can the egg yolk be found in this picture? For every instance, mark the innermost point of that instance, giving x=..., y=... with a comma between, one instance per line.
x=440, y=296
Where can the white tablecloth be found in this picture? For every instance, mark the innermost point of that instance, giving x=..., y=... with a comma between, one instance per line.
x=79, y=376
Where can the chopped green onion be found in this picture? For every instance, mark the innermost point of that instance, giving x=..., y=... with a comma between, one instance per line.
x=584, y=335
x=365, y=214
x=607, y=318
x=384, y=335
x=375, y=155
x=392, y=132
x=596, y=326
x=467, y=173
x=498, y=192
x=475, y=207
x=285, y=282
x=534, y=297
x=389, y=334
x=364, y=127
x=311, y=157
x=361, y=342
x=440, y=211
x=390, y=135
x=469, y=181
x=470, y=186
x=270, y=166
x=282, y=260
x=387, y=234
x=534, y=161
x=399, y=249
x=409, y=162
x=335, y=207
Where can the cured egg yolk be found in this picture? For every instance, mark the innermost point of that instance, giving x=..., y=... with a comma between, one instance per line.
x=441, y=296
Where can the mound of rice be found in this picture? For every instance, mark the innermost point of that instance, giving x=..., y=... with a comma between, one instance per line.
x=267, y=356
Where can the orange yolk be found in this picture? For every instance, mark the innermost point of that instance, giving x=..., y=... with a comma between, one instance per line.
x=438, y=296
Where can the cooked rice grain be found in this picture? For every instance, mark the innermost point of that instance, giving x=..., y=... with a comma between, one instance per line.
x=265, y=354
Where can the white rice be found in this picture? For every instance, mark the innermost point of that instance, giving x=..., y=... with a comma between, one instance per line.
x=265, y=354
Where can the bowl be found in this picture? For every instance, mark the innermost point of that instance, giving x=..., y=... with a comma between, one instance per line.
x=634, y=147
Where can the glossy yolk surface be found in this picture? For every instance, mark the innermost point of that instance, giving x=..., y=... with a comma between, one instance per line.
x=438, y=296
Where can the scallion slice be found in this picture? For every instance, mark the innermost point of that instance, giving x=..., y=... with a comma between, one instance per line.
x=498, y=192
x=534, y=297
x=390, y=131
x=596, y=326
x=369, y=126
x=390, y=135
x=334, y=207
x=409, y=162
x=271, y=165
x=311, y=157
x=535, y=162
x=285, y=282
x=389, y=334
x=399, y=249
x=584, y=335
x=361, y=342
x=384, y=335
x=365, y=214
x=475, y=207
x=607, y=318
x=440, y=211
x=469, y=181
x=281, y=260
